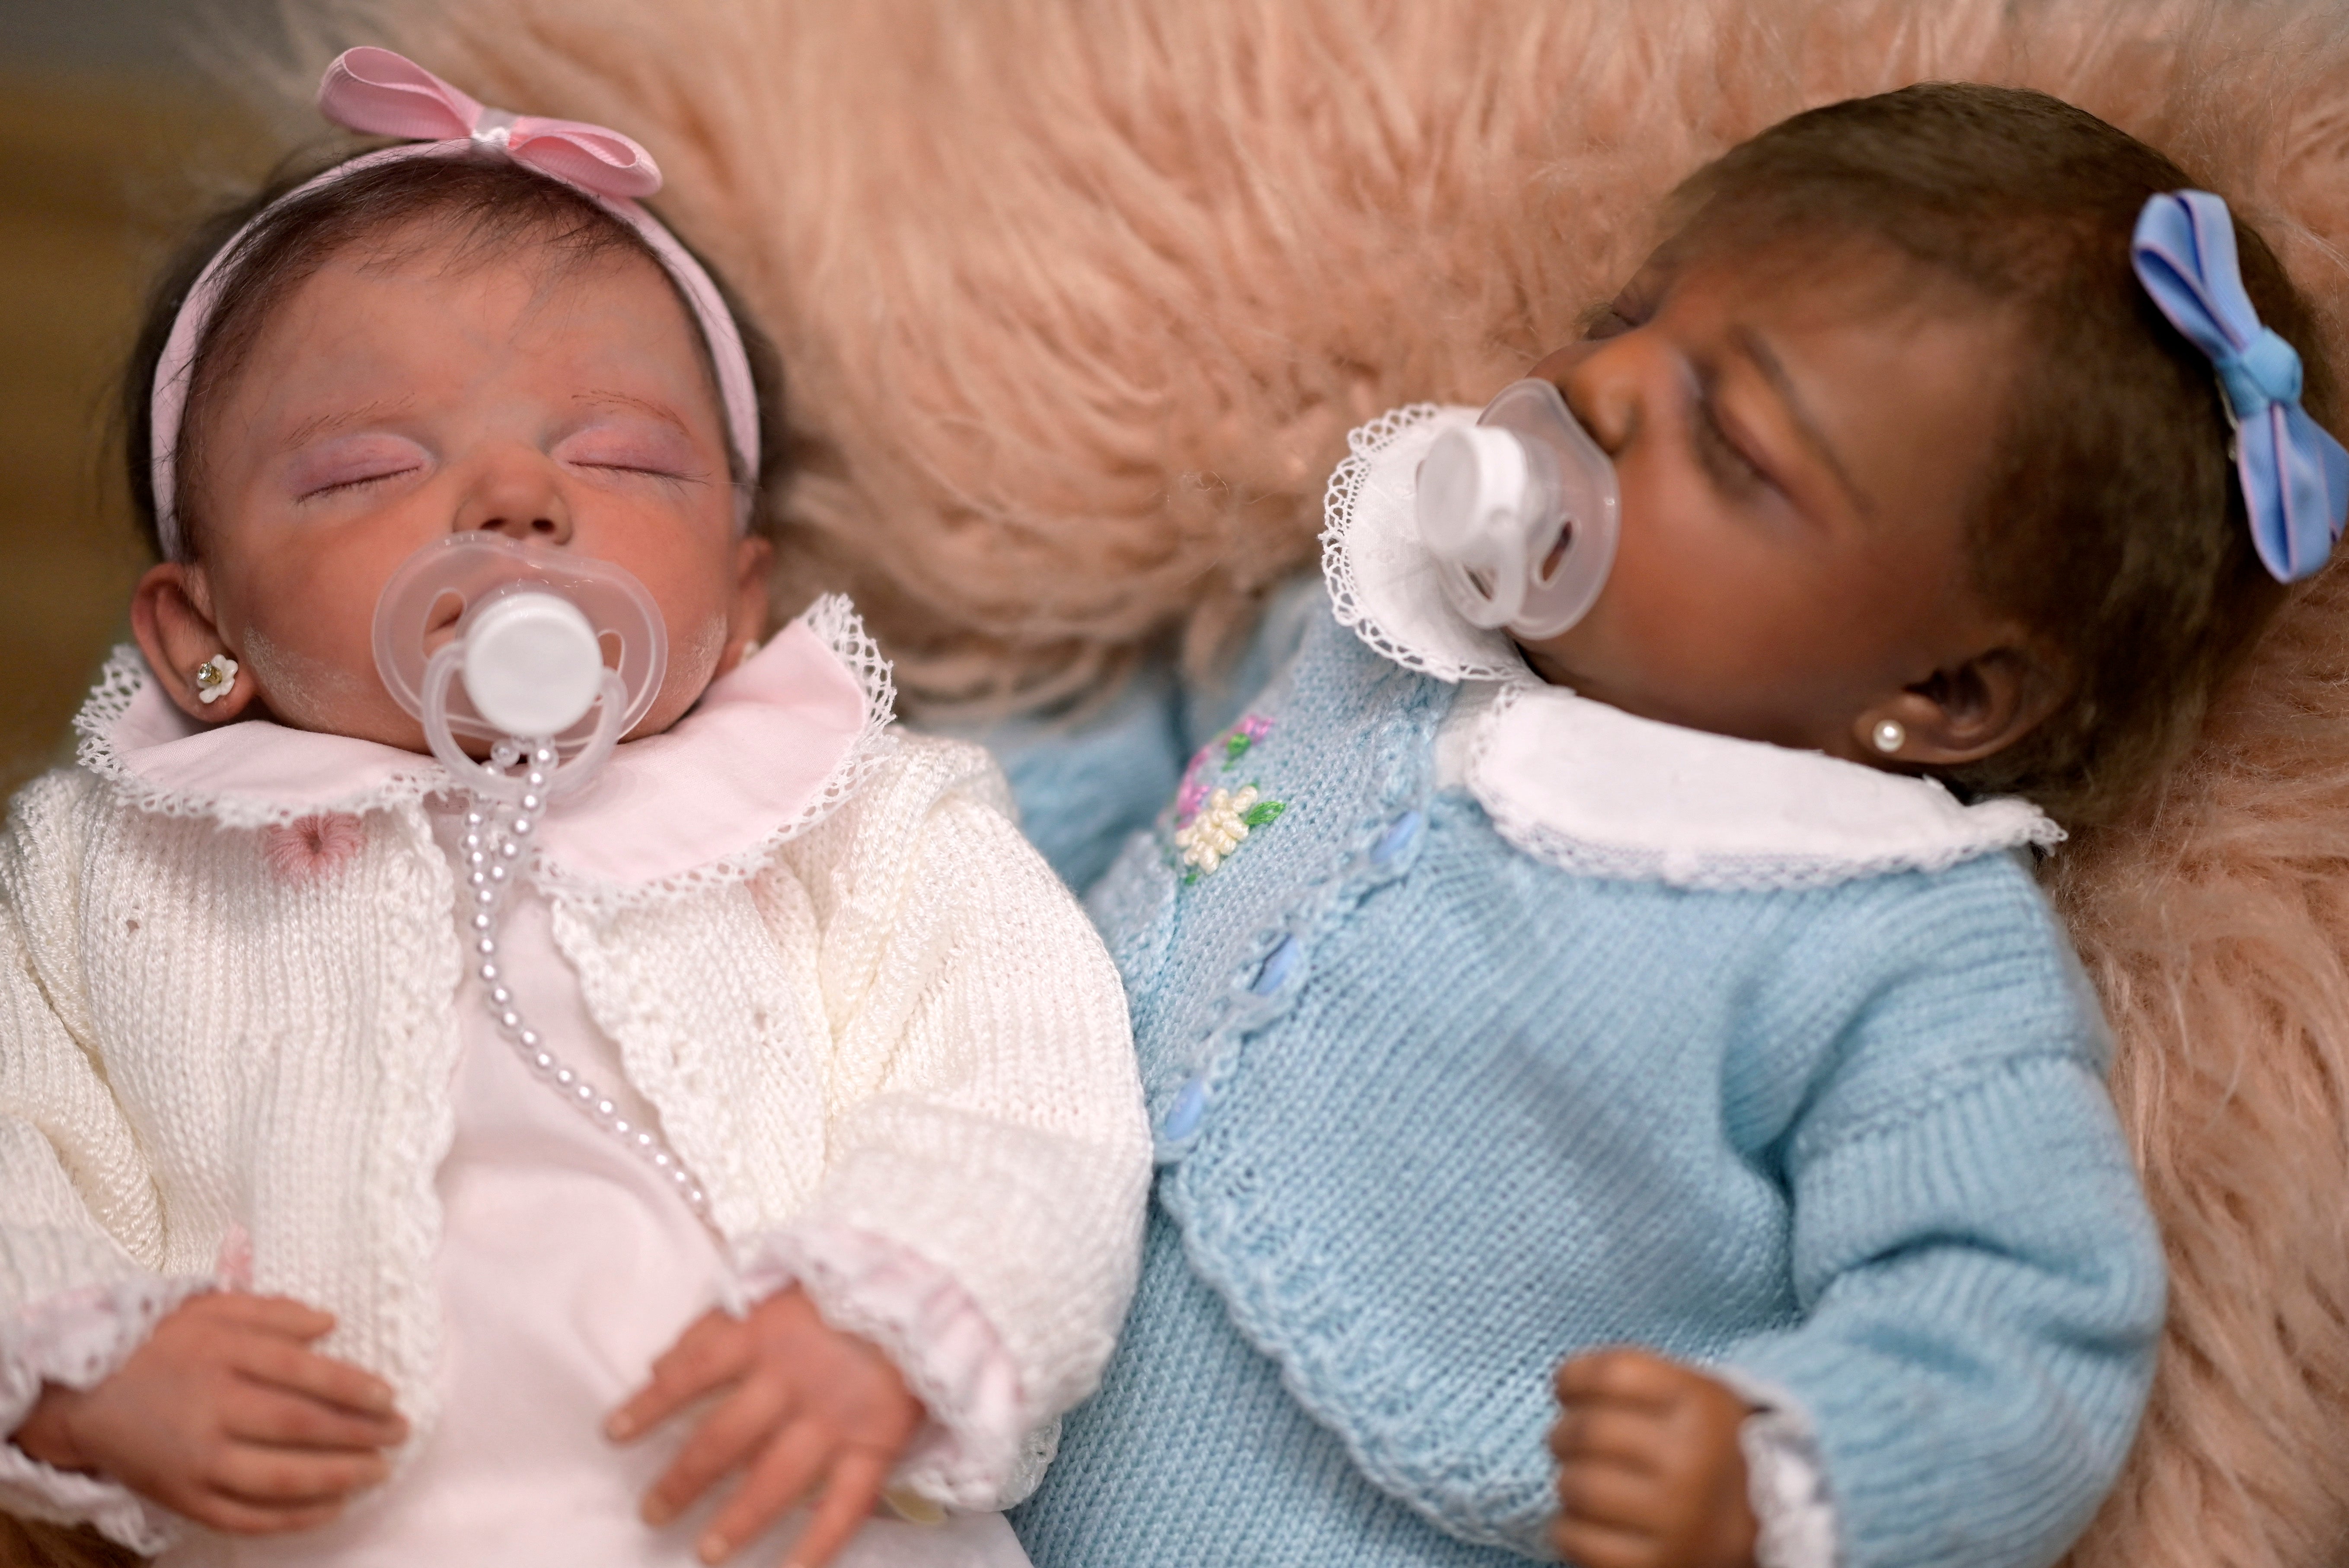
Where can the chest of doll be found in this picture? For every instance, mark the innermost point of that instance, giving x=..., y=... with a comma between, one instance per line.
x=280, y=1010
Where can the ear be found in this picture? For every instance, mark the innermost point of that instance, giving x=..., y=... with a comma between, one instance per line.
x=171, y=617
x=1971, y=710
x=746, y=617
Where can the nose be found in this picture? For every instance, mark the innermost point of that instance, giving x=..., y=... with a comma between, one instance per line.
x=517, y=492
x=1602, y=384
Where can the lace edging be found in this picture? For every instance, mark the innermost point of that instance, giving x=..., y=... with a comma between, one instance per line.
x=835, y=622
x=1786, y=1477
x=974, y=1470
x=1718, y=872
x=124, y=675
x=1338, y=501
x=78, y=1339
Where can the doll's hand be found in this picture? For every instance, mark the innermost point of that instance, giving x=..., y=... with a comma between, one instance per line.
x=225, y=1415
x=1649, y=1473
x=805, y=1405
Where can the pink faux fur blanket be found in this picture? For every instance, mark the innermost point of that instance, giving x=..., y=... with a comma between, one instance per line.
x=1079, y=299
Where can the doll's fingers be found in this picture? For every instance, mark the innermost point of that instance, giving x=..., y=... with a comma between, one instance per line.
x=727, y=1437
x=1600, y=1492
x=280, y=1315
x=1622, y=1376
x=264, y=1477
x=235, y=1516
x=1612, y=1434
x=257, y=1413
x=714, y=1351
x=783, y=1475
x=848, y=1500
x=280, y=1364
x=1589, y=1545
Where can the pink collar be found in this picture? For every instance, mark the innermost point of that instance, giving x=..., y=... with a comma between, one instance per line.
x=769, y=750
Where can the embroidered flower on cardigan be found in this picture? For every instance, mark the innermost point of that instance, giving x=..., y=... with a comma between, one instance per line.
x=1228, y=748
x=1221, y=824
x=309, y=848
x=1210, y=819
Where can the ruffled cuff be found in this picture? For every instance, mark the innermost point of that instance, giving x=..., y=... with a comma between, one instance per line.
x=1785, y=1479
x=977, y=1451
x=78, y=1339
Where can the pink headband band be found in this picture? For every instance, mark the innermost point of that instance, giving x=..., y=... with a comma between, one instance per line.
x=380, y=93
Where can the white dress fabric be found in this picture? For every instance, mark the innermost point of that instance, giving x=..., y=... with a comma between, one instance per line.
x=566, y=1265
x=957, y=1175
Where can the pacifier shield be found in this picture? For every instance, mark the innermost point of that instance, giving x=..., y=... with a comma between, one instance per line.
x=539, y=627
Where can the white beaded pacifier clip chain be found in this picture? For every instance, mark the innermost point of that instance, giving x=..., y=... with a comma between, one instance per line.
x=495, y=850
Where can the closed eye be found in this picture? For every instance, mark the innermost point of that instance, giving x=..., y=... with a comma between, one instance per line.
x=354, y=466
x=351, y=485
x=634, y=452
x=1604, y=322
x=1723, y=461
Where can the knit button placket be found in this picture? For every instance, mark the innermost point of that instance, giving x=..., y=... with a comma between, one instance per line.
x=1397, y=838
x=1190, y=1108
x=1273, y=972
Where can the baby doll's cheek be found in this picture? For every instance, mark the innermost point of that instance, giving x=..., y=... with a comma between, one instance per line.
x=302, y=685
x=702, y=650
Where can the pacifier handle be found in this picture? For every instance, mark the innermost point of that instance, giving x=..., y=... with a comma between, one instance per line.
x=486, y=777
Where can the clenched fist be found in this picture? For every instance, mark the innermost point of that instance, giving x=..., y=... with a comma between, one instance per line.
x=1649, y=1471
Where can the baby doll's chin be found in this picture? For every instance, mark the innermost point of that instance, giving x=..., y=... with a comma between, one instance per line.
x=396, y=730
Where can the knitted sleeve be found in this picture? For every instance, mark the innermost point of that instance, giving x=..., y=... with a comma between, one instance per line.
x=1980, y=1282
x=987, y=1118
x=75, y=1198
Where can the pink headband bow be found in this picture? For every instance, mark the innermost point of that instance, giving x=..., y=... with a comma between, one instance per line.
x=380, y=93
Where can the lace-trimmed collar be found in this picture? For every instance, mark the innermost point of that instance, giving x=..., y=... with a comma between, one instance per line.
x=769, y=750
x=1595, y=790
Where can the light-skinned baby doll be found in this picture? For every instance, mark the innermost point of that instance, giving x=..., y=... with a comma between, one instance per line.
x=448, y=1155
x=1618, y=1092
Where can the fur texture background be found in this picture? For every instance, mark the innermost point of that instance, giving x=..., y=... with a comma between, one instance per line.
x=1079, y=299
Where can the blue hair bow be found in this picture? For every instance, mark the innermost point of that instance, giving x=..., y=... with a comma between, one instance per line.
x=2295, y=476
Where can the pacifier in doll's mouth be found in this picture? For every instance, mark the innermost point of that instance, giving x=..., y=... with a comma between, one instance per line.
x=524, y=646
x=1521, y=511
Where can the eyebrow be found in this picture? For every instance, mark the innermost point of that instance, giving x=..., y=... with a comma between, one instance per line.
x=317, y=425
x=1756, y=348
x=660, y=411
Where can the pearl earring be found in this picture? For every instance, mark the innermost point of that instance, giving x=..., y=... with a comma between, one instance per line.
x=215, y=679
x=1890, y=736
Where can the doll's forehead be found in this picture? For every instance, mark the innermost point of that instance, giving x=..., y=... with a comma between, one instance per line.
x=1848, y=274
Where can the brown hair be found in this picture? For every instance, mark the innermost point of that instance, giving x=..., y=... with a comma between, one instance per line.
x=480, y=202
x=2111, y=522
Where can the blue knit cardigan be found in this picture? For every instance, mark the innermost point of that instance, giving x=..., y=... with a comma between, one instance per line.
x=1435, y=1115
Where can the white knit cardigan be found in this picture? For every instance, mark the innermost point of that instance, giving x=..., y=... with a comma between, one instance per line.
x=896, y=1021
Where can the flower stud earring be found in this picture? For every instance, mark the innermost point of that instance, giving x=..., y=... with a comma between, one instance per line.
x=215, y=679
x=1889, y=735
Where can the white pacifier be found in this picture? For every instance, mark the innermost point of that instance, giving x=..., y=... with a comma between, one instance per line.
x=1521, y=511
x=545, y=650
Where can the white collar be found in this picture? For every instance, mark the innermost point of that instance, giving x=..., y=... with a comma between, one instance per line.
x=769, y=750
x=1596, y=790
